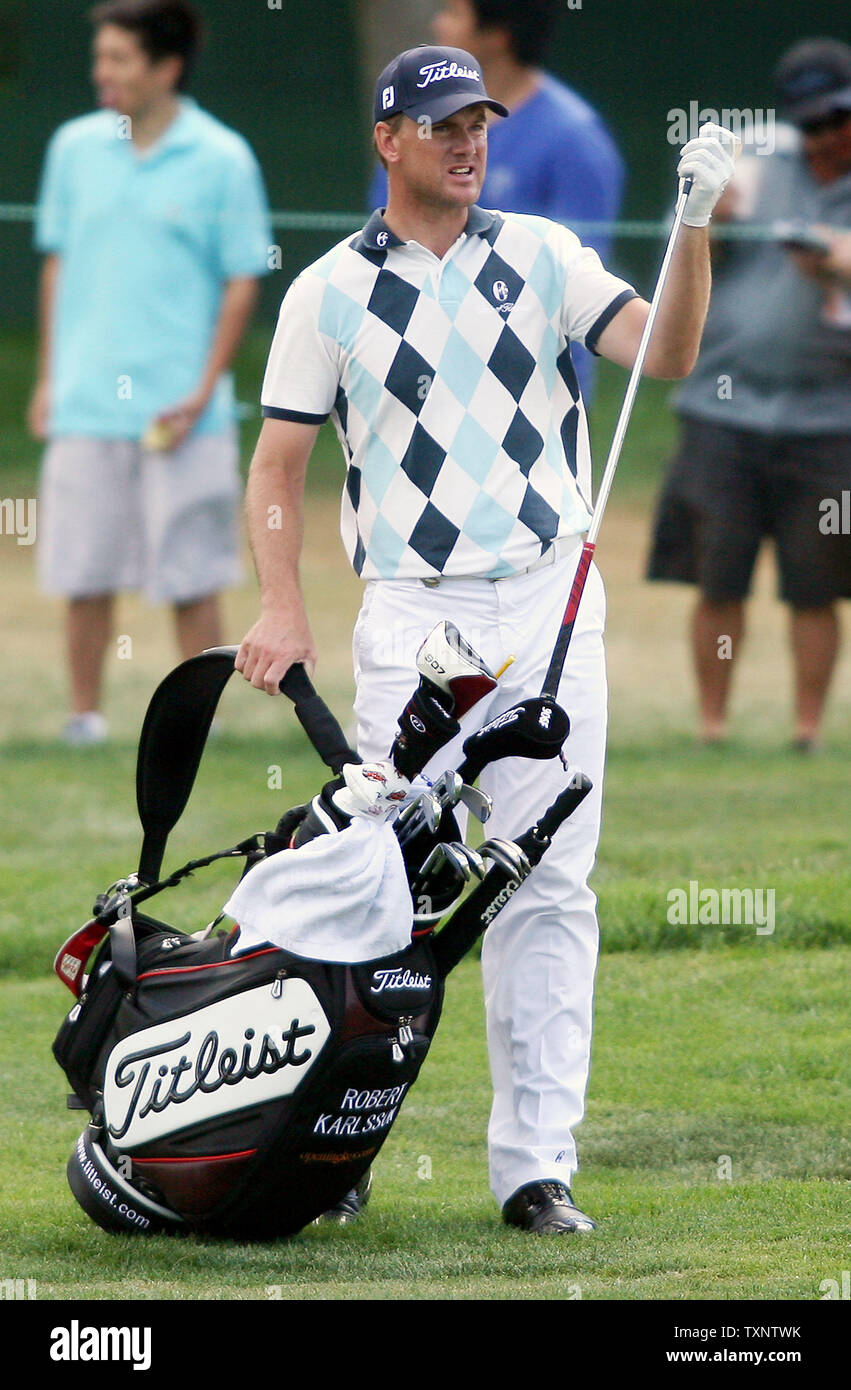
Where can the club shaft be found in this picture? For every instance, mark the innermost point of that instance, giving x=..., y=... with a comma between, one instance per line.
x=557, y=660
x=637, y=369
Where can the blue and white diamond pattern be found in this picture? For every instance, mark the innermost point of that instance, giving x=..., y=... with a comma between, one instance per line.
x=453, y=392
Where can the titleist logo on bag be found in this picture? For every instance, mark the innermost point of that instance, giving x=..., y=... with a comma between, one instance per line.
x=398, y=979
x=242, y=1051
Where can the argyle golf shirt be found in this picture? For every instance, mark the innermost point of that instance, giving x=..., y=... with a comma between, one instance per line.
x=452, y=390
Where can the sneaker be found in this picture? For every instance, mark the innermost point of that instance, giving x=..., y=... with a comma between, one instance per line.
x=85, y=729
x=350, y=1207
x=546, y=1208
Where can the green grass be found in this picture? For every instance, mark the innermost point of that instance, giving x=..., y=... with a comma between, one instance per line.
x=71, y=829
x=726, y=1055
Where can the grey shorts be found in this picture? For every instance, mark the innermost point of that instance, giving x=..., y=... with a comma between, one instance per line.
x=114, y=516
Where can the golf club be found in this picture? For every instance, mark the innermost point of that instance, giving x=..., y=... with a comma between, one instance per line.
x=557, y=660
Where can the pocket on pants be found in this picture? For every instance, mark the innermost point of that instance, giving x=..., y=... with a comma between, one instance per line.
x=390, y=627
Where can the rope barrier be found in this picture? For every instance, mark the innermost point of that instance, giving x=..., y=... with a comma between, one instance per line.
x=304, y=221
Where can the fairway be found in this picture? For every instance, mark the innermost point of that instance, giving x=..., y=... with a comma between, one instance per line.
x=715, y=1153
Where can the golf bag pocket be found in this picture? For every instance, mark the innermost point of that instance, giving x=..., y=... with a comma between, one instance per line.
x=80, y=1041
x=87, y=1029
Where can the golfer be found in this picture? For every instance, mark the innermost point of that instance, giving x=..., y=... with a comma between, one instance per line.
x=438, y=341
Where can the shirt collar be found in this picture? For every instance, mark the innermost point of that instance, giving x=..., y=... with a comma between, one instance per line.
x=182, y=130
x=378, y=236
x=181, y=134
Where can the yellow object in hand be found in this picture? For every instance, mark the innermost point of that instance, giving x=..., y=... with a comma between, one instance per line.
x=158, y=437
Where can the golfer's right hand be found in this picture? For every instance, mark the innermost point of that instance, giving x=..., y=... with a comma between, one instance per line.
x=275, y=643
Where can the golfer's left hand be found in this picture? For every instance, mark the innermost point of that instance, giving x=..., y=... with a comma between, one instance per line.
x=708, y=160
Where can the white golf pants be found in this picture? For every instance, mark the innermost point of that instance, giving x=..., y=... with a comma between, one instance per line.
x=539, y=956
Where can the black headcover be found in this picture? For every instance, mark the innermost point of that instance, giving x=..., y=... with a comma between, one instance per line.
x=533, y=728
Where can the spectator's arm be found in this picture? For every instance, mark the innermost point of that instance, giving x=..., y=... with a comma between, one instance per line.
x=832, y=268
x=377, y=192
x=238, y=303
x=38, y=409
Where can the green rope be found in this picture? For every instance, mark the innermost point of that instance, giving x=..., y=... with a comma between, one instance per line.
x=351, y=221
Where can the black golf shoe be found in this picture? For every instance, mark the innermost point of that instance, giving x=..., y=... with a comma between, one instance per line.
x=350, y=1207
x=546, y=1208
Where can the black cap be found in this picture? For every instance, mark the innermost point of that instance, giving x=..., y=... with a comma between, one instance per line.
x=433, y=82
x=814, y=80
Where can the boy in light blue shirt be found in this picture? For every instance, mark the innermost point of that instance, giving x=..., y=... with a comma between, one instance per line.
x=153, y=220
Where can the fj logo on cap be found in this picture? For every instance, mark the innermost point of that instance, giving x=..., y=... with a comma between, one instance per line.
x=388, y=96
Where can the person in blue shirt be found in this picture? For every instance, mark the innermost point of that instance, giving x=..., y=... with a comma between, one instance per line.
x=153, y=222
x=553, y=157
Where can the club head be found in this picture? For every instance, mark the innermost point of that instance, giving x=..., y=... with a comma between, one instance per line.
x=479, y=804
x=475, y=862
x=508, y=855
x=425, y=808
x=448, y=787
x=441, y=858
x=432, y=808
x=452, y=854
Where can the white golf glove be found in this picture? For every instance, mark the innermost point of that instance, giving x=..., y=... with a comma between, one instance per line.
x=708, y=160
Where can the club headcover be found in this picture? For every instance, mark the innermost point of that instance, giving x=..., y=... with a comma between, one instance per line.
x=533, y=728
x=448, y=662
x=424, y=728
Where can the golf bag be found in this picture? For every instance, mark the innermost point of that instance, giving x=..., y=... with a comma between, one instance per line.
x=244, y=1089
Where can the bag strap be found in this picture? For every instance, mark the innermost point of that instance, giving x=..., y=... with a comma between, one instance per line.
x=172, y=741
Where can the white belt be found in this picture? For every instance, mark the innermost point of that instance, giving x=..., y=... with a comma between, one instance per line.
x=556, y=550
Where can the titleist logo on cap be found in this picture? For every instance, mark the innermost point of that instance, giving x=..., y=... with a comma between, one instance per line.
x=439, y=72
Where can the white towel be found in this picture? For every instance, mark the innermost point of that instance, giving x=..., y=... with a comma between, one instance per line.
x=342, y=897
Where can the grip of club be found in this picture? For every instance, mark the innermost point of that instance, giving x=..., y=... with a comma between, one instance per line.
x=469, y=921
x=564, y=805
x=470, y=768
x=317, y=720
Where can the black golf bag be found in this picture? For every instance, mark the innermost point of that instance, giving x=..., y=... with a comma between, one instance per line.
x=243, y=1095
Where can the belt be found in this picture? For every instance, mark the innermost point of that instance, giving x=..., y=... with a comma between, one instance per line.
x=556, y=550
